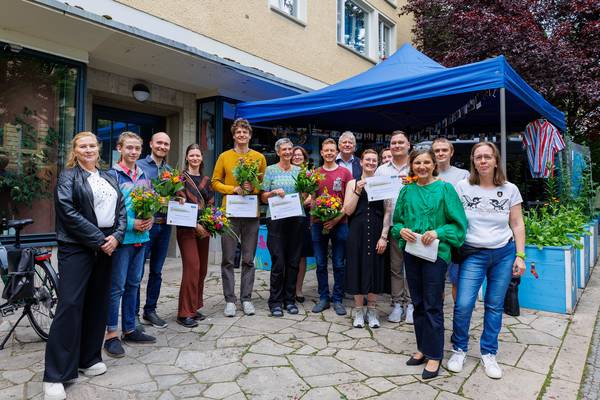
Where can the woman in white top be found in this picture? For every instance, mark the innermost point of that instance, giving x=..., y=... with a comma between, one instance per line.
x=494, y=249
x=90, y=223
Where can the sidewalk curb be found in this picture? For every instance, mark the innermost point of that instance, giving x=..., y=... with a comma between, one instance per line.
x=569, y=366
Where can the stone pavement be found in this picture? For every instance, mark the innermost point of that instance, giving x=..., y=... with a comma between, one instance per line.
x=590, y=387
x=313, y=356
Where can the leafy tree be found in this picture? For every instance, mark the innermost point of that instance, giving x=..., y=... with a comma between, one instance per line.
x=553, y=44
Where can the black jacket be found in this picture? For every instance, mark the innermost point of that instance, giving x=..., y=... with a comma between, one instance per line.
x=75, y=217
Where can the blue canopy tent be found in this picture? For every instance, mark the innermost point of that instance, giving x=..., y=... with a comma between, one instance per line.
x=410, y=91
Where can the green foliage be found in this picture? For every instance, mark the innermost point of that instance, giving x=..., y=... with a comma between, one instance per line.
x=560, y=222
x=26, y=185
x=555, y=225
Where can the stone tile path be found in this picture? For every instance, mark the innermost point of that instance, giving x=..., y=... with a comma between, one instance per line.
x=306, y=356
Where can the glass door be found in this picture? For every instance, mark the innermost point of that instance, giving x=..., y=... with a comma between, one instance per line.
x=108, y=123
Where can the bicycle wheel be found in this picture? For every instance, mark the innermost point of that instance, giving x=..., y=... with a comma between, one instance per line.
x=43, y=305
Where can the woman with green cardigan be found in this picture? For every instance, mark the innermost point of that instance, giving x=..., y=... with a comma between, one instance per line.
x=428, y=209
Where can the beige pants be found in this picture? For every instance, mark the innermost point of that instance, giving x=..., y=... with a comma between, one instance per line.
x=400, y=293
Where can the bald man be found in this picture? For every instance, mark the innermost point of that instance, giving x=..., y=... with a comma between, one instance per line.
x=160, y=234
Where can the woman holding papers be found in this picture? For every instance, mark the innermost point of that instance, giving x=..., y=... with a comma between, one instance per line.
x=285, y=234
x=494, y=249
x=428, y=220
x=368, y=226
x=193, y=242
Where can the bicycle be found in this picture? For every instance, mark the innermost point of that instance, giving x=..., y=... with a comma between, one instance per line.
x=40, y=306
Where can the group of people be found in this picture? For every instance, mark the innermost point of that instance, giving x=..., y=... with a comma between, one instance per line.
x=102, y=246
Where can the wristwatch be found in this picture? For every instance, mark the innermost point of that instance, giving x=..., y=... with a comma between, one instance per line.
x=521, y=255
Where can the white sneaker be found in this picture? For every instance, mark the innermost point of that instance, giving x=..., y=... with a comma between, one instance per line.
x=456, y=362
x=230, y=310
x=359, y=318
x=248, y=308
x=372, y=318
x=396, y=314
x=409, y=314
x=492, y=369
x=97, y=369
x=54, y=391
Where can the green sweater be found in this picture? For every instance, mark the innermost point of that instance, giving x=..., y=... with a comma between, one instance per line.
x=432, y=207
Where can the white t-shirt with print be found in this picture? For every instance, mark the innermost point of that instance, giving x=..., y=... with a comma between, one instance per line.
x=488, y=212
x=453, y=175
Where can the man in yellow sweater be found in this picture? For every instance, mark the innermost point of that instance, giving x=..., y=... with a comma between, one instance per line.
x=246, y=229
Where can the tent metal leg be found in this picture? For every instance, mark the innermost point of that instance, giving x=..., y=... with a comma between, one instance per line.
x=503, y=128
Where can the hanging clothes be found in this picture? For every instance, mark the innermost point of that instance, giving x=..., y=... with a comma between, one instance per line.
x=542, y=141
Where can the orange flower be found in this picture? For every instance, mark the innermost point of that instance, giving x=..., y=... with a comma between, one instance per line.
x=166, y=175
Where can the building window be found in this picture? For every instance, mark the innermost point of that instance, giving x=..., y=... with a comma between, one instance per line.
x=385, y=39
x=353, y=26
x=289, y=7
x=295, y=10
x=38, y=115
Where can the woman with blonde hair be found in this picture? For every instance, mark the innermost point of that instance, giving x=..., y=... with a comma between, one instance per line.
x=90, y=224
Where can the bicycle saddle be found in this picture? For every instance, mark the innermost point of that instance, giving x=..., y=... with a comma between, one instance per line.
x=18, y=223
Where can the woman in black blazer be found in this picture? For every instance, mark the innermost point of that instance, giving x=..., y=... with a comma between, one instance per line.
x=90, y=223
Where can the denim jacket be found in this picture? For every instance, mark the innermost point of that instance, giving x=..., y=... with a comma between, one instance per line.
x=127, y=185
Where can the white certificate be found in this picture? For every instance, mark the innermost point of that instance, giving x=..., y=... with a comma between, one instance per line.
x=382, y=187
x=418, y=249
x=285, y=207
x=185, y=214
x=241, y=206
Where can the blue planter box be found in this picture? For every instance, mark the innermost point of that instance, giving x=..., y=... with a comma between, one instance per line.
x=582, y=262
x=596, y=233
x=555, y=289
x=593, y=228
x=262, y=258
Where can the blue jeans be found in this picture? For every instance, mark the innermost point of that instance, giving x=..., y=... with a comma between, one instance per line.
x=127, y=267
x=338, y=236
x=156, y=249
x=496, y=266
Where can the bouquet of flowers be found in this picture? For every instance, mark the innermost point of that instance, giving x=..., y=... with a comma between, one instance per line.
x=327, y=207
x=166, y=186
x=247, y=170
x=213, y=219
x=145, y=202
x=308, y=180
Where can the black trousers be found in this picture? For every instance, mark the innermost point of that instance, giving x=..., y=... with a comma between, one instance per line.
x=77, y=331
x=284, y=241
x=426, y=282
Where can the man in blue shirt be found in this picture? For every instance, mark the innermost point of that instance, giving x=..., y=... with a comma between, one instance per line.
x=160, y=234
x=346, y=158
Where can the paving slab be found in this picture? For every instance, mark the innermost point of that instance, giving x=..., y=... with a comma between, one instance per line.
x=317, y=356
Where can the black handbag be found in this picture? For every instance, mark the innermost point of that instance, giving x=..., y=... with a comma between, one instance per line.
x=511, y=300
x=20, y=276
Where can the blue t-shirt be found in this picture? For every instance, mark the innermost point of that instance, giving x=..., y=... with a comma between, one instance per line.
x=276, y=178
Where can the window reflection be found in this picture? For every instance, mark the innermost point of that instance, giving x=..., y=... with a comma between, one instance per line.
x=37, y=118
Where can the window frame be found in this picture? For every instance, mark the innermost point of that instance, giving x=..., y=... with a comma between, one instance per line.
x=381, y=24
x=300, y=14
x=341, y=27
